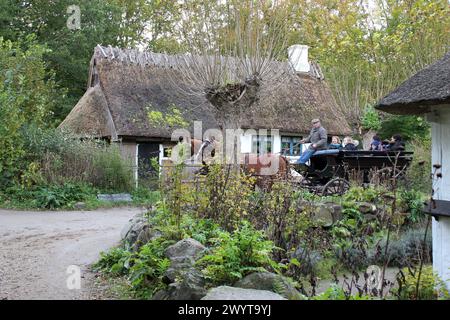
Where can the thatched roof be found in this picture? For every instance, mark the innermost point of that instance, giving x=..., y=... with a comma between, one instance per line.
x=429, y=87
x=125, y=84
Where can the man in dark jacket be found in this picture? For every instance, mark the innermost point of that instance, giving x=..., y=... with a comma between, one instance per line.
x=318, y=139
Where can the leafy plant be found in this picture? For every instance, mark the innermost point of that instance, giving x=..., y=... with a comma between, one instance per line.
x=116, y=261
x=413, y=202
x=148, y=268
x=371, y=119
x=431, y=287
x=144, y=268
x=237, y=254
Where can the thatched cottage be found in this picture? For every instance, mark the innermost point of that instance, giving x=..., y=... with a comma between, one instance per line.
x=124, y=83
x=428, y=93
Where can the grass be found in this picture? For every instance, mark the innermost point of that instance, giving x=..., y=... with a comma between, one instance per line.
x=56, y=198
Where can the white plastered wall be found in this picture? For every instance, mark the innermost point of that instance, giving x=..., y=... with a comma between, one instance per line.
x=440, y=132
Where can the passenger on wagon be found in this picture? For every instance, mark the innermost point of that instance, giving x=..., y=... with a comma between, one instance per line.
x=376, y=144
x=318, y=139
x=385, y=145
x=335, y=143
x=396, y=143
x=348, y=144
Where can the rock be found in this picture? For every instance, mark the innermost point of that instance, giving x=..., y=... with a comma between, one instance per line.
x=336, y=212
x=190, y=286
x=185, y=248
x=231, y=293
x=309, y=259
x=271, y=282
x=79, y=205
x=370, y=217
x=133, y=228
x=146, y=234
x=366, y=207
x=184, y=281
x=116, y=197
x=182, y=255
x=323, y=215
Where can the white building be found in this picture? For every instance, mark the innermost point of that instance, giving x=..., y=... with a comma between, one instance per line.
x=428, y=92
x=123, y=84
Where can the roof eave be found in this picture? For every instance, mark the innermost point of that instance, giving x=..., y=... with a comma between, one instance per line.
x=412, y=108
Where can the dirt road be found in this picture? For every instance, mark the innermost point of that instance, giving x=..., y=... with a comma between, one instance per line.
x=36, y=249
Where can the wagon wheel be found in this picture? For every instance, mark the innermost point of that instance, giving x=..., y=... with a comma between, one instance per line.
x=337, y=186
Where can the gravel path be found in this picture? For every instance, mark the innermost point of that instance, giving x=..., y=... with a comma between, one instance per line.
x=37, y=247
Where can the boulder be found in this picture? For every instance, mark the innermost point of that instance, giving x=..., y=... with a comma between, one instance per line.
x=182, y=256
x=185, y=248
x=366, y=207
x=271, y=282
x=323, y=215
x=190, y=285
x=336, y=211
x=231, y=293
x=309, y=259
x=146, y=234
x=184, y=281
x=133, y=228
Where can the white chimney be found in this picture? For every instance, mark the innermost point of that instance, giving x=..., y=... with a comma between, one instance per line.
x=298, y=57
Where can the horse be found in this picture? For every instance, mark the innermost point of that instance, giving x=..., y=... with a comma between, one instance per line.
x=266, y=167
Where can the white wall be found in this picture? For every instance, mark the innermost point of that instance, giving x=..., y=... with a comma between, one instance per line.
x=246, y=141
x=440, y=131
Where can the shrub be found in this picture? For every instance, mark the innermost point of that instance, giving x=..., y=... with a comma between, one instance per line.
x=237, y=254
x=63, y=157
x=405, y=251
x=148, y=268
x=202, y=230
x=28, y=93
x=418, y=175
x=143, y=195
x=48, y=196
x=431, y=287
x=144, y=269
x=413, y=202
x=116, y=261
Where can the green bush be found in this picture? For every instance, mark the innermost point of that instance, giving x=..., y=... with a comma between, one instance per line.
x=28, y=93
x=143, y=195
x=413, y=202
x=47, y=196
x=237, y=254
x=116, y=261
x=144, y=269
x=407, y=250
x=431, y=287
x=202, y=230
x=62, y=157
x=418, y=175
x=409, y=127
x=148, y=268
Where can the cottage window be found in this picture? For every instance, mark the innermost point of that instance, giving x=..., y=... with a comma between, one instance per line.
x=262, y=144
x=290, y=146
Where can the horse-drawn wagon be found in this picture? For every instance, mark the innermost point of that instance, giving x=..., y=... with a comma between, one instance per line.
x=329, y=171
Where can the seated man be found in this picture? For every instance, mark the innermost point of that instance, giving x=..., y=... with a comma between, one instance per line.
x=318, y=140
